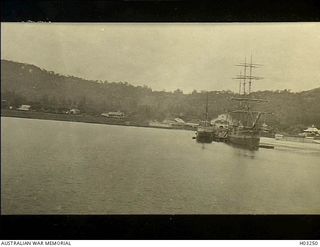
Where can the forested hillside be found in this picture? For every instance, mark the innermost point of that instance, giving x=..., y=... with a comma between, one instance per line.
x=49, y=91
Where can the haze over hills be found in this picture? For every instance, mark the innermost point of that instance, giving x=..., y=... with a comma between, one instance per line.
x=167, y=56
x=28, y=84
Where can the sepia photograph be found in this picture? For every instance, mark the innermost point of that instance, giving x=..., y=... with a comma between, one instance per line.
x=160, y=118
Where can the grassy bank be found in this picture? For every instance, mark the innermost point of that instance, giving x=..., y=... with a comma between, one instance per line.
x=67, y=117
x=74, y=118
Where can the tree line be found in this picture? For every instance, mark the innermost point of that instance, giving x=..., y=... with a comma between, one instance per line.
x=52, y=92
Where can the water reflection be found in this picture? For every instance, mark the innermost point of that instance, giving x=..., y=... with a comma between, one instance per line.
x=245, y=152
x=101, y=169
x=203, y=146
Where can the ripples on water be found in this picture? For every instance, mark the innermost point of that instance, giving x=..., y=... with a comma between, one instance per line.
x=52, y=167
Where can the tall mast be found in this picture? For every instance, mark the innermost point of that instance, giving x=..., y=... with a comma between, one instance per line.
x=206, y=110
x=244, y=101
x=240, y=83
x=246, y=77
x=250, y=76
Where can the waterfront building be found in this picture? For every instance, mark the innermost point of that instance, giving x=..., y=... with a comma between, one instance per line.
x=24, y=108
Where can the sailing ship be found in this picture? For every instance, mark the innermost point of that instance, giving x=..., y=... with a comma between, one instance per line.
x=204, y=132
x=245, y=131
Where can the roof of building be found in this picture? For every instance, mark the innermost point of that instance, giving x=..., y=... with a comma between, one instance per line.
x=311, y=129
x=116, y=113
x=179, y=120
x=27, y=107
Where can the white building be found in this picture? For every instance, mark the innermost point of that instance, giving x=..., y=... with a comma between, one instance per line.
x=175, y=122
x=312, y=131
x=222, y=121
x=179, y=120
x=24, y=108
x=117, y=114
x=74, y=111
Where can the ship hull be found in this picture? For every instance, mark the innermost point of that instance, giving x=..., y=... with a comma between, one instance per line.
x=247, y=141
x=204, y=137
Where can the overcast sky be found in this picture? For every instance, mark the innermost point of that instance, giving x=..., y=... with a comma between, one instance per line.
x=170, y=56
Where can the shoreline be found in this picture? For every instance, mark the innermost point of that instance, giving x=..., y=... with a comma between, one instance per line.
x=78, y=118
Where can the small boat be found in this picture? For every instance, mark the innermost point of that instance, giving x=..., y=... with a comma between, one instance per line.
x=204, y=132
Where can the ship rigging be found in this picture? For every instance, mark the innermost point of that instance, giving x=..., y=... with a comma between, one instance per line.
x=244, y=130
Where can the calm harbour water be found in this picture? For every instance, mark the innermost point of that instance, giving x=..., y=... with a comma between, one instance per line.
x=53, y=167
